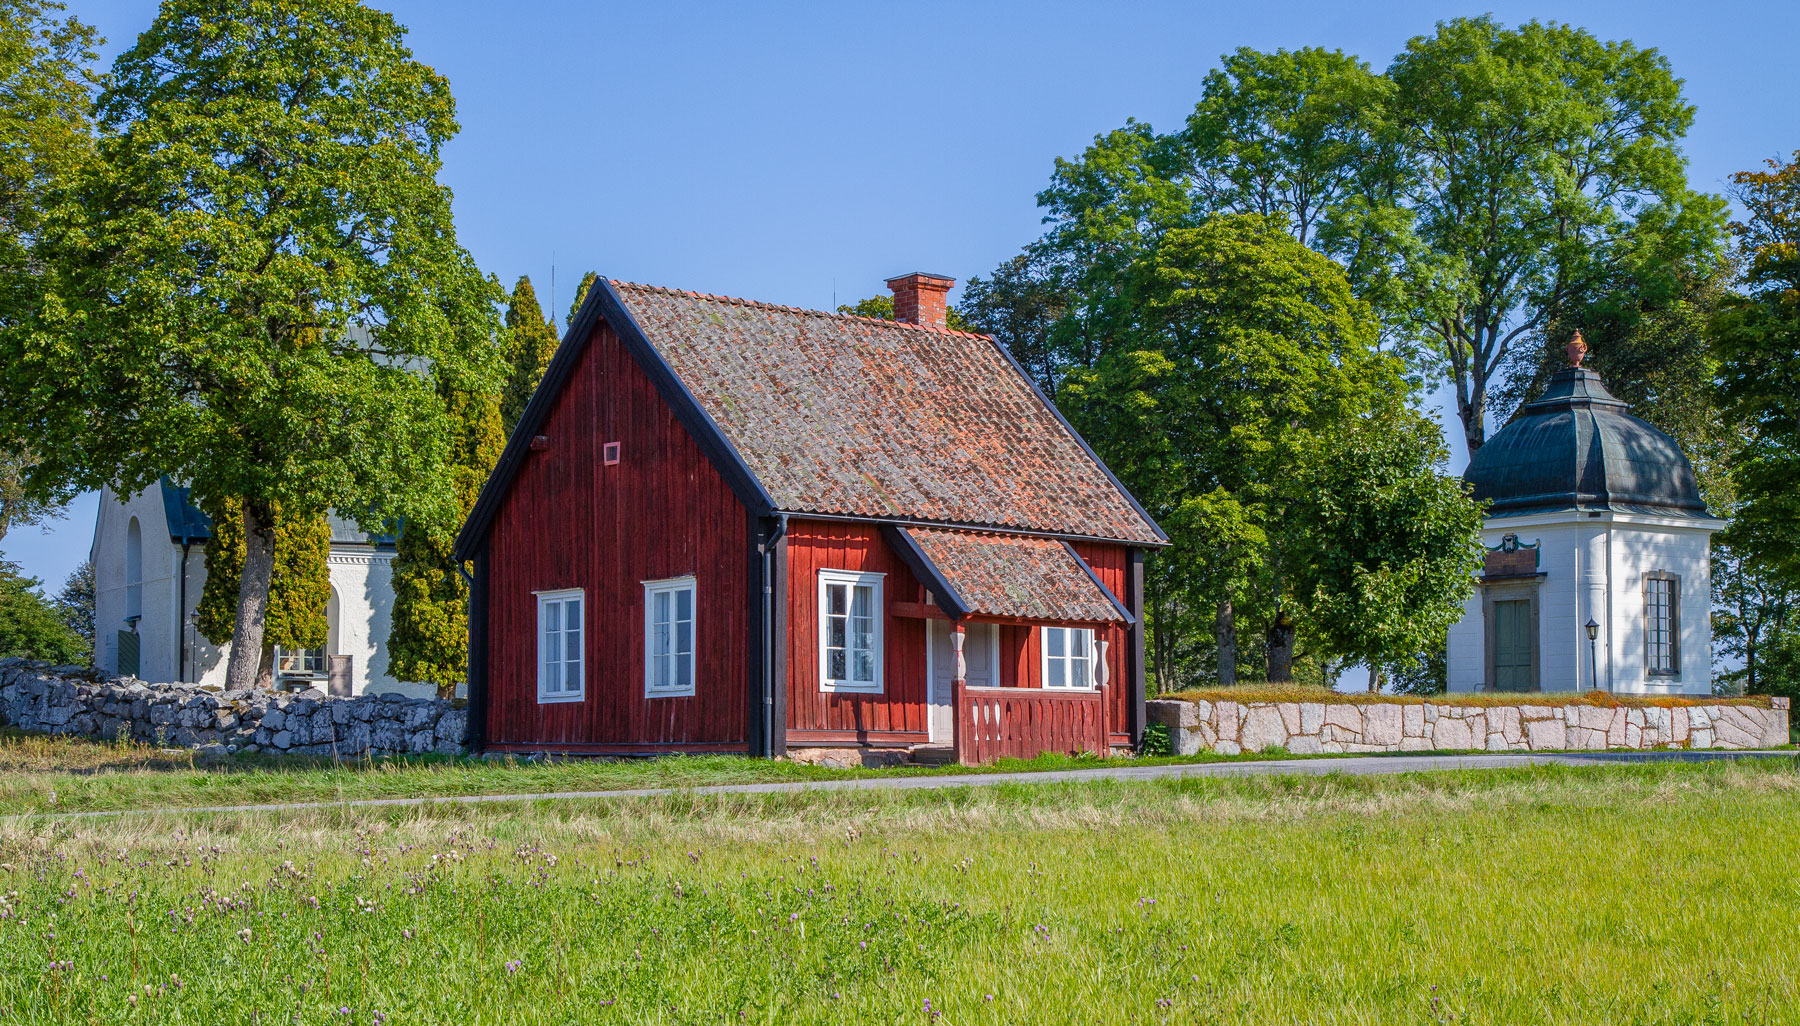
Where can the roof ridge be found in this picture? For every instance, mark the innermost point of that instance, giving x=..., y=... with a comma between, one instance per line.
x=758, y=304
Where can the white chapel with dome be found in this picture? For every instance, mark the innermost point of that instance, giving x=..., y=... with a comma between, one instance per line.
x=1598, y=569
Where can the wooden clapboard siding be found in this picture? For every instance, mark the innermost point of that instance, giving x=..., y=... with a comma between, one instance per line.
x=812, y=546
x=569, y=521
x=1112, y=564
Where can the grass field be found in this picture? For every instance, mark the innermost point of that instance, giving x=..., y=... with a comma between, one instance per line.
x=1660, y=894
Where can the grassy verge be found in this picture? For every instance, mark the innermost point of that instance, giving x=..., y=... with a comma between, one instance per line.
x=1642, y=894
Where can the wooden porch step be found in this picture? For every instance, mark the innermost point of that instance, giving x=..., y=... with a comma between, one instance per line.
x=932, y=755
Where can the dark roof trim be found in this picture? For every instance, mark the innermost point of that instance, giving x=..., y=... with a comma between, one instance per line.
x=1098, y=583
x=1019, y=369
x=602, y=304
x=907, y=548
x=961, y=525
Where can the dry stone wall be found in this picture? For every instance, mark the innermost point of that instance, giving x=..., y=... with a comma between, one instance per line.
x=68, y=700
x=1310, y=728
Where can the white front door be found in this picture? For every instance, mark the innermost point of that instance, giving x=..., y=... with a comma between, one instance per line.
x=981, y=652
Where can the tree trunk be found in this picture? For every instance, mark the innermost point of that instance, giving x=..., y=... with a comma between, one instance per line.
x=1375, y=674
x=244, y=669
x=1225, y=632
x=1280, y=645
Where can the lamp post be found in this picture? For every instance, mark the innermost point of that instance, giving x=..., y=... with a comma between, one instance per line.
x=1593, y=633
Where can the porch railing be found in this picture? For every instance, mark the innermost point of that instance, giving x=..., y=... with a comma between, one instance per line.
x=1023, y=723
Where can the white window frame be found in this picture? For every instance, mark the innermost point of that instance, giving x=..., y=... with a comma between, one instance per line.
x=544, y=599
x=671, y=587
x=852, y=579
x=1068, y=661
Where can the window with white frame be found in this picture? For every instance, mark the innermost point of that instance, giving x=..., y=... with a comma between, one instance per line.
x=1068, y=657
x=560, y=660
x=849, y=631
x=669, y=638
x=1662, y=624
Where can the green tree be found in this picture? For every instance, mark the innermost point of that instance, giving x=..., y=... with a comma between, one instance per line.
x=259, y=281
x=881, y=308
x=299, y=584
x=1019, y=305
x=33, y=628
x=581, y=291
x=75, y=603
x=428, y=639
x=1540, y=160
x=531, y=343
x=1249, y=370
x=46, y=134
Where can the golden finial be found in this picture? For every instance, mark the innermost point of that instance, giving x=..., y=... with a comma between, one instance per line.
x=1577, y=349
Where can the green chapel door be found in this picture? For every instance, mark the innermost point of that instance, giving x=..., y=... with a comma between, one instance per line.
x=1513, y=642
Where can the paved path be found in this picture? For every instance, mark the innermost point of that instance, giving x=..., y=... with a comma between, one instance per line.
x=1356, y=765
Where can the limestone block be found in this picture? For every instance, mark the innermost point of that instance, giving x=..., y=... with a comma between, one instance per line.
x=1587, y=738
x=1228, y=715
x=1736, y=727
x=1412, y=720
x=1174, y=715
x=1535, y=712
x=1341, y=714
x=1312, y=717
x=1342, y=735
x=274, y=719
x=1431, y=714
x=1497, y=743
x=1331, y=747
x=340, y=711
x=1775, y=727
x=283, y=739
x=1451, y=733
x=1634, y=735
x=1290, y=717
x=1381, y=725
x=1478, y=729
x=454, y=726
x=1700, y=737
x=1700, y=717
x=1262, y=728
x=1202, y=712
x=1228, y=748
x=1615, y=729
x=1504, y=720
x=1546, y=735
x=1680, y=726
x=1415, y=744
x=1181, y=742
x=1305, y=745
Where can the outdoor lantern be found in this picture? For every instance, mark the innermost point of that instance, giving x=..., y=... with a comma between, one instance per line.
x=1593, y=629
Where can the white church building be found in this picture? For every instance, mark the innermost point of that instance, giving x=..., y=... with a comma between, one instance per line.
x=1598, y=569
x=149, y=557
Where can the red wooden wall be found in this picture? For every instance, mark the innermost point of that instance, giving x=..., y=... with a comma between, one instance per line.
x=824, y=717
x=663, y=511
x=1022, y=661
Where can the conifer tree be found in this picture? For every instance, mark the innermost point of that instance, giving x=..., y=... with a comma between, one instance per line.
x=428, y=640
x=299, y=587
x=532, y=343
x=581, y=291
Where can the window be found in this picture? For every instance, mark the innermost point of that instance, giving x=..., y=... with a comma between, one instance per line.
x=560, y=676
x=849, y=631
x=1662, y=624
x=1068, y=657
x=669, y=638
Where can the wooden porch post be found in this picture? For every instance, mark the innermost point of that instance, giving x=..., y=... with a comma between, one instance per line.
x=959, y=685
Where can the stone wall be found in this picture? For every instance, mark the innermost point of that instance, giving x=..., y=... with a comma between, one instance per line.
x=68, y=700
x=1306, y=728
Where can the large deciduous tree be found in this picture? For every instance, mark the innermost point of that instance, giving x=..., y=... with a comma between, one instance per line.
x=1537, y=162
x=258, y=284
x=46, y=89
x=299, y=581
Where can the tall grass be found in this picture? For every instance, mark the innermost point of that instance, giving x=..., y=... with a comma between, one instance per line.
x=1646, y=895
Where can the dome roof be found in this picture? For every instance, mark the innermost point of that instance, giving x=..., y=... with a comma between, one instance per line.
x=1575, y=448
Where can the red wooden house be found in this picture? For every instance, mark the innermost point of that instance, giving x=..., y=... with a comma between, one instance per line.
x=727, y=526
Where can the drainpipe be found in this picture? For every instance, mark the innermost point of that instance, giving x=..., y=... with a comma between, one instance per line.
x=181, y=615
x=768, y=623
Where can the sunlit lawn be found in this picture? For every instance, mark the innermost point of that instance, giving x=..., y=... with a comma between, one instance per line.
x=1656, y=894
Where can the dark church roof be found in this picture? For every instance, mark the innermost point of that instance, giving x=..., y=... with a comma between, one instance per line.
x=1575, y=448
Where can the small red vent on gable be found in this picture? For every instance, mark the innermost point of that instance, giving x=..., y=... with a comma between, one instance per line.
x=609, y=453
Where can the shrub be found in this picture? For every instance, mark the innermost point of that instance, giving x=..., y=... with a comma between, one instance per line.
x=1157, y=741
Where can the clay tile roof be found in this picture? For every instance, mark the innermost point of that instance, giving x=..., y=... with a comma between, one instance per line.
x=1017, y=576
x=855, y=416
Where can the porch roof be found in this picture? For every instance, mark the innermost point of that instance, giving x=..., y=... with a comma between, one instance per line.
x=988, y=574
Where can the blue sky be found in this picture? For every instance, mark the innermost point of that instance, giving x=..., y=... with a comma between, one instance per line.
x=803, y=153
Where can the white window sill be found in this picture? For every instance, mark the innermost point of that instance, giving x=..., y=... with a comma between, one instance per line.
x=559, y=699
x=854, y=689
x=668, y=693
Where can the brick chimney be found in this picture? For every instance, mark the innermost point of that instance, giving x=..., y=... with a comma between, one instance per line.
x=919, y=298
